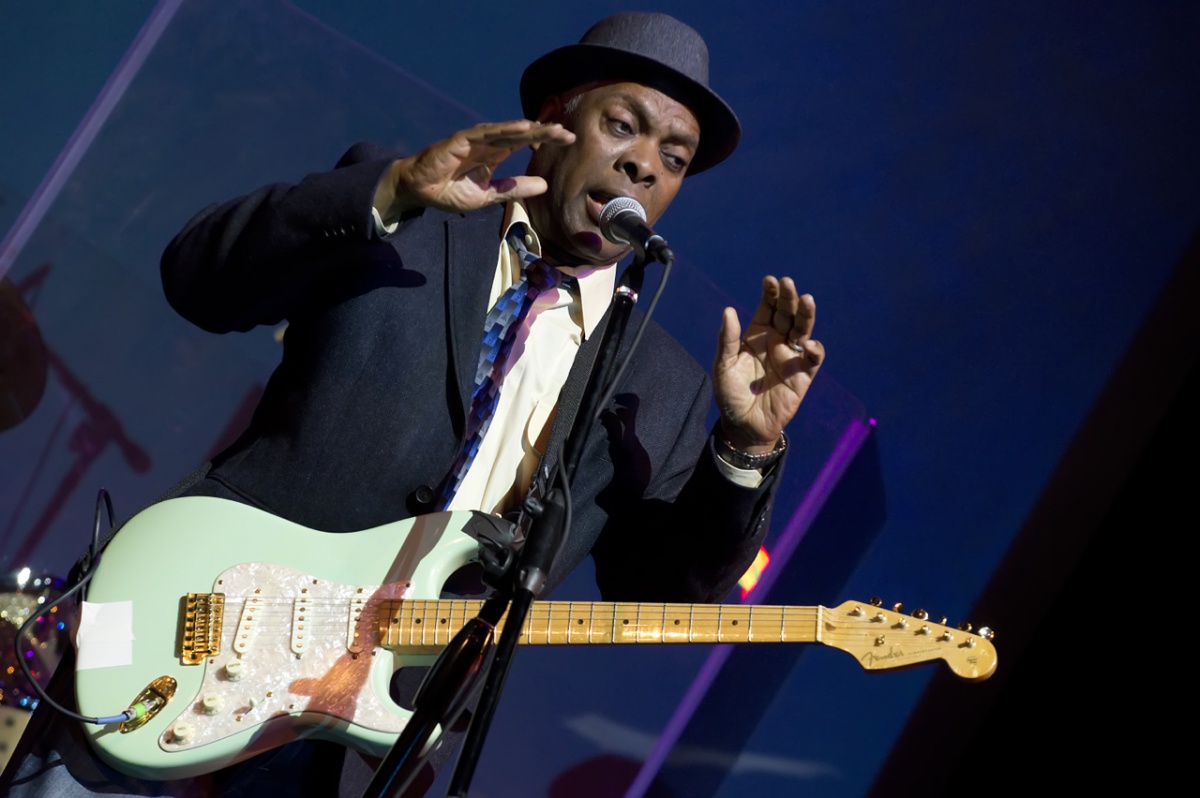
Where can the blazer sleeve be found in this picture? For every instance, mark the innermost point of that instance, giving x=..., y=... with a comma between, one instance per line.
x=692, y=532
x=251, y=260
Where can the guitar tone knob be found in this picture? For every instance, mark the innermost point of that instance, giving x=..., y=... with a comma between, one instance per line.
x=235, y=670
x=182, y=733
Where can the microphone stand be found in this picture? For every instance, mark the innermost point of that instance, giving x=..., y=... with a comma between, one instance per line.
x=546, y=515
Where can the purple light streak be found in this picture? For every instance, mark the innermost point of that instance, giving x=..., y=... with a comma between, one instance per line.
x=830, y=474
x=89, y=127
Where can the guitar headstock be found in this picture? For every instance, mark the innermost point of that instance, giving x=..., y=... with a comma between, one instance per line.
x=881, y=639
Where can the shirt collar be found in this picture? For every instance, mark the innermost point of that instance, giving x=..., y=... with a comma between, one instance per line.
x=596, y=283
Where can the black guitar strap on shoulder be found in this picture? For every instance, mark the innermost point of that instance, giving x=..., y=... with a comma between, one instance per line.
x=87, y=559
x=571, y=397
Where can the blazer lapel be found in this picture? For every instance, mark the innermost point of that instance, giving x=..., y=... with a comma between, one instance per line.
x=472, y=246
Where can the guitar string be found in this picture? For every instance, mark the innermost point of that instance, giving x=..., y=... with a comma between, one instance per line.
x=323, y=614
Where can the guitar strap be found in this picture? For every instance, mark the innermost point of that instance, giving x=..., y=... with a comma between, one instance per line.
x=84, y=563
x=571, y=395
x=569, y=401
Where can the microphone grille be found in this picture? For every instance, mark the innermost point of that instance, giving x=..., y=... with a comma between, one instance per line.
x=614, y=208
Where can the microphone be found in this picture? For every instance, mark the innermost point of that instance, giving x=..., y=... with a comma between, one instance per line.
x=623, y=221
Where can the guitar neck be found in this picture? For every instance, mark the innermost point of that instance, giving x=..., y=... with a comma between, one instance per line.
x=432, y=623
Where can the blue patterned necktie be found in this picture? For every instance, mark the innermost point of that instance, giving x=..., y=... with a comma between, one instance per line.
x=499, y=333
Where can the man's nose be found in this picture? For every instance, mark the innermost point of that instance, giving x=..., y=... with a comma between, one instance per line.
x=638, y=163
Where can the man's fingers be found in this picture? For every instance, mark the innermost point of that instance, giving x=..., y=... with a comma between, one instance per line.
x=729, y=340
x=787, y=305
x=766, y=306
x=516, y=134
x=520, y=187
x=804, y=320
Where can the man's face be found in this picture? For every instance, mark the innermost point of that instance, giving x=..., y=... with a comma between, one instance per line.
x=630, y=141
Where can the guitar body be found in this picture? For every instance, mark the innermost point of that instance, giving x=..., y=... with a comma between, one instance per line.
x=299, y=630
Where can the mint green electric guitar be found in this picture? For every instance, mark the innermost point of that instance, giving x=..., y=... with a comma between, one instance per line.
x=250, y=631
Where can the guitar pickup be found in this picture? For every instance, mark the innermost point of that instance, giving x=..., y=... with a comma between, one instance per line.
x=203, y=621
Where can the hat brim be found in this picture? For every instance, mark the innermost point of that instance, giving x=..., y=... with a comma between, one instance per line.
x=579, y=64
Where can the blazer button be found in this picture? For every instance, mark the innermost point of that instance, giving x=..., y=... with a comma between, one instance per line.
x=424, y=494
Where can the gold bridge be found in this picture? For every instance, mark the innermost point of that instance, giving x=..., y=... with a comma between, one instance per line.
x=203, y=619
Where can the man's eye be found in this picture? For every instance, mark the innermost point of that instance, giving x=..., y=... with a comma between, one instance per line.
x=675, y=162
x=621, y=127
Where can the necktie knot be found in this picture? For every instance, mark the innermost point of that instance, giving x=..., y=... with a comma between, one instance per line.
x=535, y=270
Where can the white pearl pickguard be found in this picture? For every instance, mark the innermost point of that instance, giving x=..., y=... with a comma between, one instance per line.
x=300, y=647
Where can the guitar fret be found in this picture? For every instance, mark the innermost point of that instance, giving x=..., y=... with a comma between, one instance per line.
x=441, y=622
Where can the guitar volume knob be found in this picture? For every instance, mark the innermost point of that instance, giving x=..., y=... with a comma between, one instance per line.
x=211, y=703
x=235, y=670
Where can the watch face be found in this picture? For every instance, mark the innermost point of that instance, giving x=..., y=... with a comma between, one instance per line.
x=22, y=358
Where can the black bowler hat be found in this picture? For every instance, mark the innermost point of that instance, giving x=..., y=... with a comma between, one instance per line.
x=652, y=49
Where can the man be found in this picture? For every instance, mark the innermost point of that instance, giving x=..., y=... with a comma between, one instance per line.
x=385, y=269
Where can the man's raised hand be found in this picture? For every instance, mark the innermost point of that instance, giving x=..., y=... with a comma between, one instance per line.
x=760, y=377
x=457, y=173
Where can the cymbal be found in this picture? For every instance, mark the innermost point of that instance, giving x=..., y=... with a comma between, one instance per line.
x=23, y=363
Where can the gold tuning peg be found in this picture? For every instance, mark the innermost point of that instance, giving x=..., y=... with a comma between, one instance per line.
x=986, y=632
x=965, y=626
x=944, y=621
x=876, y=601
x=920, y=615
x=897, y=607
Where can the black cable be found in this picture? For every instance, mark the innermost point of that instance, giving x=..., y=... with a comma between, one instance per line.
x=25, y=629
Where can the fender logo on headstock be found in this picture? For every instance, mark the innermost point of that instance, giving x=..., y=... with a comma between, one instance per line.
x=870, y=658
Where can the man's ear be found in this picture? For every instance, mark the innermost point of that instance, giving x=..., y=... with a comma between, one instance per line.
x=552, y=110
